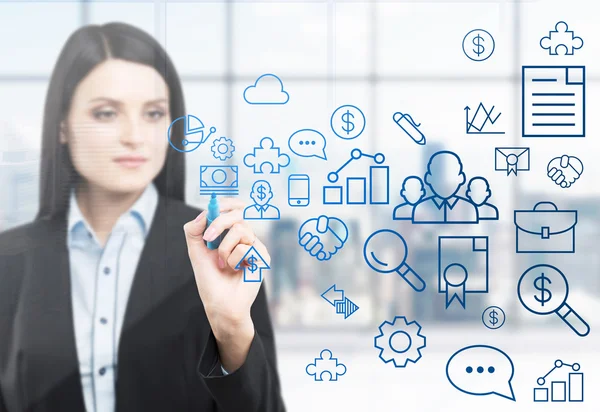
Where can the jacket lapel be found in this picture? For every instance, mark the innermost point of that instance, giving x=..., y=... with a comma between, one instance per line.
x=49, y=316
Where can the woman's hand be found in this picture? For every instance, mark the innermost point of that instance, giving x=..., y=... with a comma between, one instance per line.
x=226, y=297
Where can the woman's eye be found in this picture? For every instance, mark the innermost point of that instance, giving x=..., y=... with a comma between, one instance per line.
x=104, y=115
x=155, y=114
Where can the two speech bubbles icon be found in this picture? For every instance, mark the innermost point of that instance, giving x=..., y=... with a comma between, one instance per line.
x=308, y=143
x=481, y=370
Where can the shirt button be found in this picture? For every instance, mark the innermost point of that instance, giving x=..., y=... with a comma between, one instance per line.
x=90, y=235
x=106, y=270
x=102, y=371
x=103, y=321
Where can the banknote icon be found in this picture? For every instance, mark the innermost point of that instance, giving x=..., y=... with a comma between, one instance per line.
x=222, y=180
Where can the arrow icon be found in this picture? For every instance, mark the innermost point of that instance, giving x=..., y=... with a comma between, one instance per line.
x=253, y=265
x=335, y=297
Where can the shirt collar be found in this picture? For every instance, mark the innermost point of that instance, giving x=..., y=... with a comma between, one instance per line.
x=451, y=201
x=142, y=210
x=263, y=207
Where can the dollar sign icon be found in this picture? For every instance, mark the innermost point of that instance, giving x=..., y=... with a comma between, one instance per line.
x=348, y=123
x=483, y=42
x=261, y=192
x=477, y=40
x=542, y=288
x=252, y=262
x=493, y=317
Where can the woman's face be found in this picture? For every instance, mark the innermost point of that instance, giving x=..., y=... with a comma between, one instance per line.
x=116, y=126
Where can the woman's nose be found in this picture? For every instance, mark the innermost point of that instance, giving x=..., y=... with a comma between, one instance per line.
x=132, y=134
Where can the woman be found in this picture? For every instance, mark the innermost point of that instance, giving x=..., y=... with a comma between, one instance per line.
x=109, y=300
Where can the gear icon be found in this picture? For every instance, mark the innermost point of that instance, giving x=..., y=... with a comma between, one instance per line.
x=222, y=148
x=400, y=341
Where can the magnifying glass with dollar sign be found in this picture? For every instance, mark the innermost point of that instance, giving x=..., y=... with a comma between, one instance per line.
x=543, y=289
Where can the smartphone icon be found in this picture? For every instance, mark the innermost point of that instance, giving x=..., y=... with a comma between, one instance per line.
x=298, y=190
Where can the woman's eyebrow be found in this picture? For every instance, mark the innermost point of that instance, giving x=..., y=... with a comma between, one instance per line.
x=105, y=99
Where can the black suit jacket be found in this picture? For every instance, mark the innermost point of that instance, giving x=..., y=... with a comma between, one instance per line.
x=167, y=354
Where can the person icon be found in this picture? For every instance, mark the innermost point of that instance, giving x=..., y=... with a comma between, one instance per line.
x=478, y=192
x=444, y=177
x=261, y=209
x=412, y=192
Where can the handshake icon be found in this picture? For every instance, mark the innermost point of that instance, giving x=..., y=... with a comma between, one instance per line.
x=565, y=170
x=323, y=236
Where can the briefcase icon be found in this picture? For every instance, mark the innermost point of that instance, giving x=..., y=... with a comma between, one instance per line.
x=545, y=229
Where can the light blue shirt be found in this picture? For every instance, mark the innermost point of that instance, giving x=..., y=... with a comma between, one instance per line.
x=101, y=279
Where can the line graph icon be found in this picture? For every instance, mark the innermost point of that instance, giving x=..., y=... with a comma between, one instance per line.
x=570, y=390
x=356, y=186
x=483, y=121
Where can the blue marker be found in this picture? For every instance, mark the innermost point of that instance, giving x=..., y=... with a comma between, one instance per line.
x=213, y=213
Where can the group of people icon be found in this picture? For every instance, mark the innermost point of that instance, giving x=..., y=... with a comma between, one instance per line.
x=445, y=177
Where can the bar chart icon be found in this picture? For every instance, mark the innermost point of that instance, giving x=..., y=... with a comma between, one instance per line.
x=357, y=187
x=560, y=390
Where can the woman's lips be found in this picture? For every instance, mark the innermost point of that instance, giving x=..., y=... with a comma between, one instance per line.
x=130, y=162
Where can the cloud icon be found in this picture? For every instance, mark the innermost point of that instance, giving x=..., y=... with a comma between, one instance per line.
x=268, y=89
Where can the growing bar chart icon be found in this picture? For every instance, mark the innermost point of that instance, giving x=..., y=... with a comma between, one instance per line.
x=570, y=390
x=356, y=186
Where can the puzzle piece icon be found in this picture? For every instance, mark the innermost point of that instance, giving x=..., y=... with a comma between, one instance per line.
x=563, y=39
x=266, y=158
x=326, y=367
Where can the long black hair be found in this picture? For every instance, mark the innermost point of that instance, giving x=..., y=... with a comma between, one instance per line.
x=84, y=50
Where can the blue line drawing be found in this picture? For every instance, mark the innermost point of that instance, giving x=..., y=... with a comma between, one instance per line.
x=267, y=158
x=481, y=119
x=445, y=177
x=553, y=101
x=543, y=289
x=308, y=143
x=267, y=89
x=298, y=190
x=191, y=126
x=253, y=266
x=545, y=229
x=463, y=267
x=388, y=243
x=481, y=370
x=219, y=179
x=348, y=122
x=512, y=160
x=493, y=317
x=565, y=170
x=559, y=388
x=326, y=367
x=400, y=341
x=561, y=39
x=262, y=209
x=322, y=237
x=478, y=45
x=410, y=127
x=222, y=148
x=357, y=185
x=336, y=298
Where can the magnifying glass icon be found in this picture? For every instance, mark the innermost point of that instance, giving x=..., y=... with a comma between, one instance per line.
x=543, y=289
x=386, y=240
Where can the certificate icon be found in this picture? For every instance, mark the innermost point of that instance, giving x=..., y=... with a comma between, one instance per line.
x=512, y=159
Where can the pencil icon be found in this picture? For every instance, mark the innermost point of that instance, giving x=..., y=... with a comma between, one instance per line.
x=410, y=127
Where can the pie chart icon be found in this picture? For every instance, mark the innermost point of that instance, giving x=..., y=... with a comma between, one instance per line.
x=193, y=133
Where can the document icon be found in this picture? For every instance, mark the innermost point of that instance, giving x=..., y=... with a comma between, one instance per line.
x=553, y=101
x=462, y=267
x=512, y=159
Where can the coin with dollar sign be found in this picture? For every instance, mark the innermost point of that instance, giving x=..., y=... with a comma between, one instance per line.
x=348, y=122
x=493, y=317
x=478, y=45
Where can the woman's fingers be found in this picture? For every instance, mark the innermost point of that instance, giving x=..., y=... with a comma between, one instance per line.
x=193, y=234
x=222, y=223
x=239, y=233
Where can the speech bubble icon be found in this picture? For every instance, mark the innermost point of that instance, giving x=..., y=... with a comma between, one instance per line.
x=481, y=370
x=308, y=143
